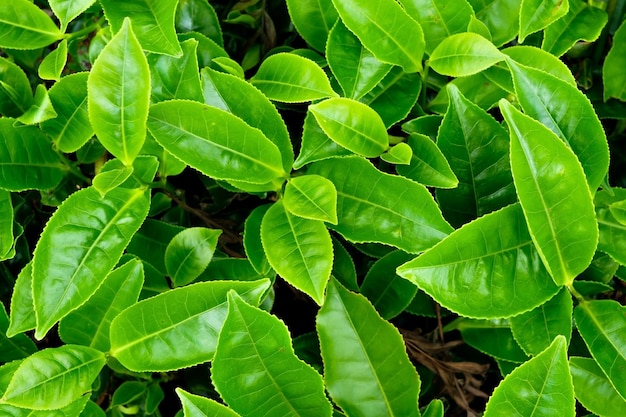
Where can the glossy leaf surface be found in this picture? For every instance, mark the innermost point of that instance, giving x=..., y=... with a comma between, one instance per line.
x=108, y=180
x=252, y=240
x=24, y=25
x=399, y=154
x=489, y=278
x=16, y=95
x=552, y=190
x=602, y=324
x=357, y=70
x=298, y=249
x=152, y=336
x=535, y=329
x=477, y=148
x=464, y=54
x=501, y=18
x=176, y=77
x=612, y=239
x=313, y=19
x=53, y=378
x=189, y=253
x=52, y=65
x=594, y=390
x=291, y=78
x=75, y=252
x=150, y=242
x=428, y=166
x=6, y=223
x=363, y=376
x=22, y=316
x=540, y=387
x=198, y=16
x=89, y=324
x=316, y=144
x=536, y=15
x=215, y=142
x=312, y=197
x=392, y=36
x=613, y=78
x=568, y=113
x=352, y=125
x=414, y=221
x=16, y=347
x=197, y=406
x=153, y=21
x=68, y=10
x=40, y=110
x=492, y=337
x=119, y=95
x=27, y=160
x=256, y=370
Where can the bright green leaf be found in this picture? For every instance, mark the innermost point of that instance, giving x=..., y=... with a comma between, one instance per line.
x=119, y=95
x=153, y=22
x=298, y=249
x=215, y=142
x=76, y=252
x=312, y=197
x=150, y=242
x=313, y=19
x=252, y=240
x=153, y=336
x=169, y=165
x=6, y=223
x=464, y=54
x=198, y=16
x=107, y=180
x=500, y=16
x=612, y=69
x=68, y=10
x=477, y=26
x=316, y=145
x=476, y=275
x=52, y=65
x=22, y=310
x=189, y=253
x=127, y=392
x=399, y=154
x=89, y=324
x=434, y=409
x=16, y=95
x=197, y=406
x=391, y=35
x=594, y=390
x=41, y=109
x=365, y=195
x=73, y=409
x=24, y=25
x=540, y=387
x=602, y=324
x=477, y=88
x=536, y=15
x=364, y=376
x=176, y=77
x=256, y=370
x=612, y=239
x=555, y=198
x=428, y=165
x=291, y=78
x=53, y=378
x=352, y=125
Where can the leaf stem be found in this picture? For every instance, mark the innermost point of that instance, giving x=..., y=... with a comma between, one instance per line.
x=86, y=30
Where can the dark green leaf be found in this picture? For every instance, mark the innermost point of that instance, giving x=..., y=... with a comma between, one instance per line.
x=198, y=16
x=176, y=77
x=313, y=20
x=594, y=390
x=612, y=75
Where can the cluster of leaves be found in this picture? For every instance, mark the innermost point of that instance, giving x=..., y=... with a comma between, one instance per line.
x=450, y=170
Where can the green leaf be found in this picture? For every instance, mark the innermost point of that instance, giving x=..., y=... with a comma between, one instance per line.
x=27, y=160
x=475, y=275
x=343, y=266
x=153, y=21
x=612, y=75
x=386, y=30
x=197, y=406
x=352, y=125
x=89, y=324
x=594, y=390
x=477, y=26
x=108, y=180
x=602, y=324
x=568, y=113
x=17, y=347
x=492, y=337
x=252, y=240
x=189, y=253
x=464, y=54
x=22, y=309
x=477, y=88
x=256, y=370
x=612, y=239
x=16, y=95
x=150, y=242
x=6, y=223
x=76, y=252
x=215, y=142
x=73, y=409
x=52, y=65
x=536, y=15
x=399, y=154
x=540, y=387
x=151, y=336
x=290, y=78
x=68, y=10
x=439, y=18
x=428, y=165
x=363, y=376
x=313, y=19
x=240, y=98
x=366, y=195
x=477, y=148
x=119, y=95
x=535, y=329
x=298, y=249
x=556, y=201
x=176, y=77
x=41, y=109
x=434, y=409
x=168, y=164
x=388, y=292
x=23, y=25
x=501, y=18
x=71, y=129
x=316, y=145
x=312, y=197
x=357, y=70
x=198, y=16
x=53, y=378
x=582, y=22
x=127, y=392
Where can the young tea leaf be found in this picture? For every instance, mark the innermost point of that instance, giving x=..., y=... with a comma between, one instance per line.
x=312, y=197
x=24, y=25
x=189, y=253
x=52, y=65
x=16, y=95
x=613, y=77
x=464, y=54
x=197, y=406
x=594, y=390
x=428, y=165
x=536, y=15
x=313, y=19
x=22, y=316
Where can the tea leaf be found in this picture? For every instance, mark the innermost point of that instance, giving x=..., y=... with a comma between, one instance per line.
x=428, y=166
x=594, y=390
x=68, y=10
x=52, y=65
x=536, y=15
x=501, y=18
x=6, y=223
x=16, y=347
x=492, y=337
x=198, y=16
x=189, y=253
x=313, y=19
x=312, y=197
x=316, y=144
x=197, y=406
x=22, y=316
x=613, y=77
x=16, y=95
x=23, y=25
x=464, y=54
x=176, y=77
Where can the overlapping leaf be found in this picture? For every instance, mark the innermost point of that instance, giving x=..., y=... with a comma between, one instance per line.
x=76, y=252
x=176, y=77
x=428, y=165
x=256, y=370
x=365, y=195
x=464, y=54
x=68, y=10
x=313, y=19
x=198, y=16
x=16, y=347
x=53, y=64
x=594, y=390
x=536, y=15
x=22, y=310
x=6, y=223
x=501, y=18
x=153, y=336
x=197, y=406
x=612, y=233
x=189, y=253
x=16, y=95
x=492, y=337
x=316, y=145
x=23, y=25
x=312, y=197
x=613, y=77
